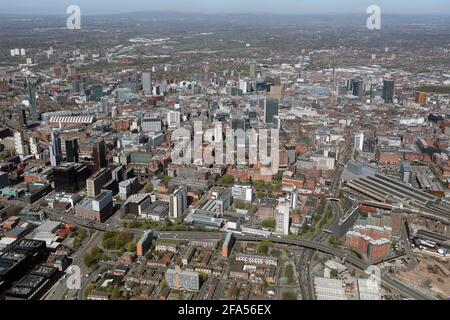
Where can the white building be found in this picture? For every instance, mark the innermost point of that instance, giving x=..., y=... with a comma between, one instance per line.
x=173, y=119
x=35, y=147
x=244, y=193
x=359, y=141
x=282, y=219
x=178, y=203
x=20, y=146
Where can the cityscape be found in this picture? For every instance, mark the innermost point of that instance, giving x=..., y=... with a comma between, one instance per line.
x=175, y=155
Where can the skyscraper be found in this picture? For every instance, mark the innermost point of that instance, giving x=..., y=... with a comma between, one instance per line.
x=55, y=149
x=147, y=83
x=282, y=220
x=20, y=146
x=294, y=199
x=33, y=102
x=270, y=110
x=359, y=141
x=253, y=70
x=388, y=91
x=72, y=150
x=177, y=203
x=357, y=87
x=99, y=154
x=22, y=117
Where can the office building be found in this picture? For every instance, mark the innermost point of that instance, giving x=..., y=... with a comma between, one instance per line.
x=270, y=110
x=253, y=70
x=99, y=154
x=357, y=87
x=22, y=117
x=173, y=119
x=97, y=181
x=99, y=208
x=147, y=83
x=55, y=149
x=178, y=203
x=187, y=280
x=243, y=193
x=359, y=142
x=72, y=154
x=151, y=124
x=70, y=178
x=32, y=100
x=388, y=91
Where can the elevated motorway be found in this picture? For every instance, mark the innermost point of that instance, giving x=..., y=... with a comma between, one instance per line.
x=360, y=264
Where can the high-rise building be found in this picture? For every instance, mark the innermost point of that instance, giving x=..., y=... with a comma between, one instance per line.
x=33, y=102
x=357, y=87
x=388, y=91
x=177, y=203
x=72, y=150
x=4, y=84
x=253, y=70
x=35, y=147
x=359, y=141
x=55, y=149
x=282, y=219
x=99, y=154
x=22, y=117
x=294, y=198
x=270, y=110
x=96, y=182
x=147, y=83
x=20, y=145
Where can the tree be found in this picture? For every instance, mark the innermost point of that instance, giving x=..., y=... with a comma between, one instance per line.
x=148, y=187
x=260, y=184
x=227, y=179
x=166, y=180
x=269, y=223
x=279, y=176
x=263, y=247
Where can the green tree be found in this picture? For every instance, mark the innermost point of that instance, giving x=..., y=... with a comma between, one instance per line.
x=166, y=180
x=263, y=247
x=227, y=179
x=269, y=223
x=148, y=187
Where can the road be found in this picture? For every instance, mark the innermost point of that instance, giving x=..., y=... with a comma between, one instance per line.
x=58, y=292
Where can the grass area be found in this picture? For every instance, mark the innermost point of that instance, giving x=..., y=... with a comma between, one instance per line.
x=289, y=274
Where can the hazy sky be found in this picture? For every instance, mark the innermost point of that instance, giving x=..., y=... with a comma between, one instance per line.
x=225, y=6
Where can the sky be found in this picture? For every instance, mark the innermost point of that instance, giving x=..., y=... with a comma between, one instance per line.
x=226, y=6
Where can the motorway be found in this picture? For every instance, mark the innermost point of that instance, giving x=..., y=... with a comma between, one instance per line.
x=360, y=264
